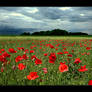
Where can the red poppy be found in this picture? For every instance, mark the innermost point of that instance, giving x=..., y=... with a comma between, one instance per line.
x=38, y=61
x=2, y=69
x=88, y=48
x=45, y=70
x=83, y=69
x=2, y=50
x=77, y=60
x=26, y=51
x=83, y=53
x=56, y=48
x=5, y=54
x=32, y=76
x=51, y=46
x=33, y=57
x=45, y=54
x=52, y=58
x=40, y=48
x=3, y=57
x=20, y=48
x=60, y=53
x=63, y=67
x=90, y=82
x=69, y=55
x=11, y=50
x=21, y=66
x=31, y=51
x=88, y=53
x=18, y=58
x=66, y=52
x=72, y=50
x=25, y=57
x=64, y=48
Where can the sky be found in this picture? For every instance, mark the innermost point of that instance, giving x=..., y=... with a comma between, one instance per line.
x=72, y=19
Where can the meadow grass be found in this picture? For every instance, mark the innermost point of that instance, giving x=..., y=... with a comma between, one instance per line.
x=53, y=76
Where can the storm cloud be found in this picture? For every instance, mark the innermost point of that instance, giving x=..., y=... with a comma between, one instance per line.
x=46, y=18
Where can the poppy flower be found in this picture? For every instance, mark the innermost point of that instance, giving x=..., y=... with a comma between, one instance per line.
x=88, y=48
x=5, y=54
x=56, y=48
x=26, y=50
x=11, y=50
x=45, y=54
x=60, y=53
x=21, y=66
x=83, y=69
x=1, y=50
x=20, y=48
x=38, y=61
x=2, y=69
x=3, y=59
x=83, y=53
x=40, y=48
x=69, y=55
x=90, y=82
x=18, y=58
x=64, y=48
x=66, y=52
x=31, y=51
x=32, y=76
x=33, y=57
x=63, y=67
x=52, y=58
x=45, y=70
x=88, y=53
x=25, y=57
x=51, y=46
x=77, y=60
x=72, y=50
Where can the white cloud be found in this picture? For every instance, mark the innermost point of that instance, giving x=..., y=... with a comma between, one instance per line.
x=33, y=11
x=3, y=16
x=82, y=14
x=16, y=14
x=65, y=8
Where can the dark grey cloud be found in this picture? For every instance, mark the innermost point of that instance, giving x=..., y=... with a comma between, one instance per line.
x=80, y=18
x=83, y=8
x=52, y=13
x=74, y=19
x=10, y=8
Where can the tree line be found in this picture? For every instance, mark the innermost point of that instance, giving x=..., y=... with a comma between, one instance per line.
x=55, y=32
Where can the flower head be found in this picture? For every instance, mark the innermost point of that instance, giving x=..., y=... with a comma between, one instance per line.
x=52, y=58
x=77, y=60
x=38, y=61
x=11, y=50
x=83, y=69
x=63, y=67
x=90, y=82
x=21, y=66
x=32, y=76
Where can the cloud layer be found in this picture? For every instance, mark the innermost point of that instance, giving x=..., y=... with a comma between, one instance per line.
x=46, y=18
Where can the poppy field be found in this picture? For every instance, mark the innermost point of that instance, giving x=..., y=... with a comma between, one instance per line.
x=45, y=61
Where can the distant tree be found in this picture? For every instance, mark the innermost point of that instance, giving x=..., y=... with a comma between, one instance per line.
x=57, y=32
x=52, y=32
x=35, y=33
x=26, y=33
x=77, y=33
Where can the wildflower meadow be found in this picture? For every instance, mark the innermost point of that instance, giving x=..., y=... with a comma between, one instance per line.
x=45, y=61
